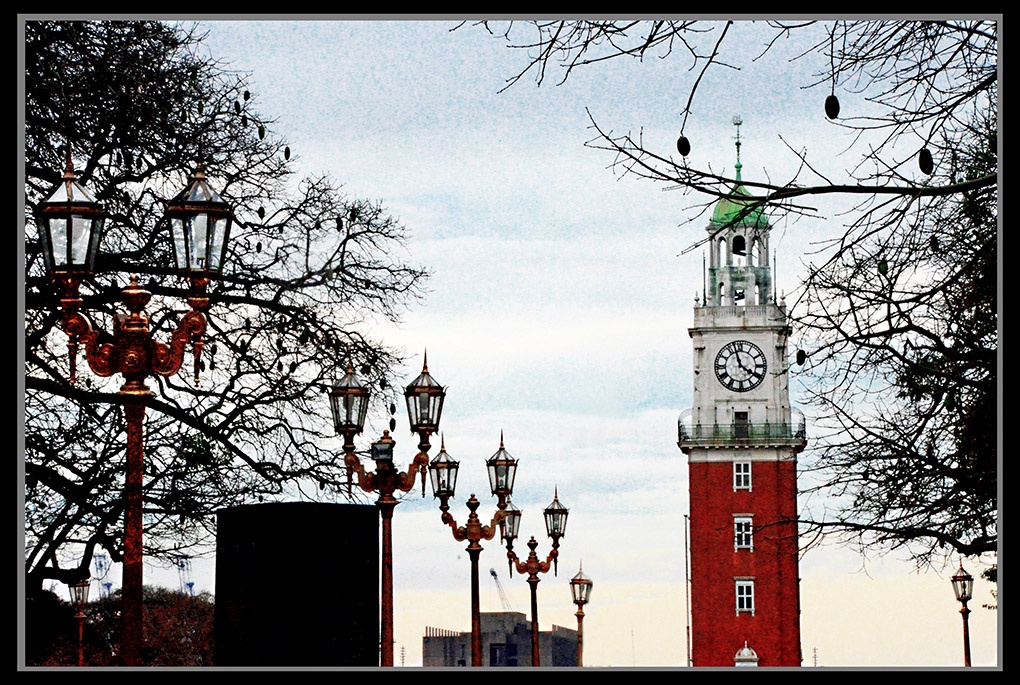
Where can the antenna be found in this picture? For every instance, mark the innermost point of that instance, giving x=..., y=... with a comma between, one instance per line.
x=737, y=121
x=774, y=274
x=704, y=285
x=687, y=586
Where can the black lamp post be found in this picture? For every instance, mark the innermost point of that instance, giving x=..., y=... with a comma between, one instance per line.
x=963, y=588
x=349, y=404
x=79, y=597
x=556, y=527
x=70, y=225
x=580, y=593
x=501, y=468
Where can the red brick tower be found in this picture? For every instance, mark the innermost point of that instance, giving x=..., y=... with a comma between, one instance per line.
x=741, y=438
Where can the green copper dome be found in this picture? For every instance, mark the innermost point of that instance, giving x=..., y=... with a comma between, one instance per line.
x=728, y=210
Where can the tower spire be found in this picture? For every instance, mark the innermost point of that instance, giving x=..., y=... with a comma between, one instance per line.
x=737, y=121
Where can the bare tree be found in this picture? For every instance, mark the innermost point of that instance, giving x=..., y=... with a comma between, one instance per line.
x=898, y=312
x=308, y=271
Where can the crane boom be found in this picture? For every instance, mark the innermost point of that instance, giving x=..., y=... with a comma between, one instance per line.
x=502, y=595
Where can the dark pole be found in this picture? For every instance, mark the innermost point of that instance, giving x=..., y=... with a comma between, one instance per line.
x=386, y=503
x=533, y=580
x=134, y=340
x=965, y=612
x=580, y=635
x=131, y=626
x=474, y=551
x=81, y=637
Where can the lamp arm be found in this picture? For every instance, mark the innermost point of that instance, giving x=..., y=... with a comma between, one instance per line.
x=459, y=532
x=489, y=531
x=103, y=358
x=405, y=481
x=515, y=563
x=167, y=359
x=544, y=566
x=366, y=481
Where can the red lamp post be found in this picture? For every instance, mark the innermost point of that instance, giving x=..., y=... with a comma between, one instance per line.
x=963, y=588
x=580, y=592
x=556, y=527
x=79, y=597
x=349, y=403
x=70, y=224
x=443, y=471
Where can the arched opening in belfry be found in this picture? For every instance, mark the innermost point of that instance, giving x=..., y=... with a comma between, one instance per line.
x=739, y=250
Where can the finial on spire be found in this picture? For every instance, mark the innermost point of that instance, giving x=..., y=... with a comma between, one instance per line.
x=737, y=121
x=501, y=439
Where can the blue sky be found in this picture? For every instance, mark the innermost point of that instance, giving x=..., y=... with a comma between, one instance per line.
x=558, y=315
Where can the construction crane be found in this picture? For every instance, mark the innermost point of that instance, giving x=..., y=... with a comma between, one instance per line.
x=502, y=595
x=102, y=568
x=184, y=573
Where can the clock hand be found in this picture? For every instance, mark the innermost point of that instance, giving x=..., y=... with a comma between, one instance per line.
x=741, y=365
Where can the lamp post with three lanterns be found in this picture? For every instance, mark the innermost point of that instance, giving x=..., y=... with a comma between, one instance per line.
x=70, y=224
x=349, y=405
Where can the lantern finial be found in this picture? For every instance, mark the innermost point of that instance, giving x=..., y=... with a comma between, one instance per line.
x=69, y=166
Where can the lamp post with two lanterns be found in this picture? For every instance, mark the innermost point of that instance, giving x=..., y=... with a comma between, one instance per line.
x=349, y=405
x=556, y=527
x=963, y=588
x=502, y=469
x=70, y=224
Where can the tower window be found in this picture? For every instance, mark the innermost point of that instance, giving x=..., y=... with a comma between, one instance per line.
x=741, y=475
x=739, y=245
x=740, y=424
x=743, y=536
x=745, y=595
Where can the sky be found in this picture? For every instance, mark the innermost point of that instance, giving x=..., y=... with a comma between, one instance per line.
x=557, y=316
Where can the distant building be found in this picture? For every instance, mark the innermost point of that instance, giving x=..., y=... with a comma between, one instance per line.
x=506, y=641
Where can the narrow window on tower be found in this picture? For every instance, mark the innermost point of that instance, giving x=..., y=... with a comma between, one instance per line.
x=743, y=537
x=745, y=595
x=741, y=475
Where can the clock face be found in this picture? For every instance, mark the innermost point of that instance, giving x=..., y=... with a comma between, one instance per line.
x=740, y=366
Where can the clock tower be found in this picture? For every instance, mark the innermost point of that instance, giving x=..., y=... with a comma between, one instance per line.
x=741, y=438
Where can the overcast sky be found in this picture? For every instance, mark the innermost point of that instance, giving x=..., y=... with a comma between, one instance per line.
x=558, y=314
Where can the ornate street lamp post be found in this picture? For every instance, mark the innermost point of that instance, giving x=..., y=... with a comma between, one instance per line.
x=443, y=471
x=70, y=224
x=349, y=403
x=580, y=592
x=963, y=588
x=556, y=527
x=79, y=597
